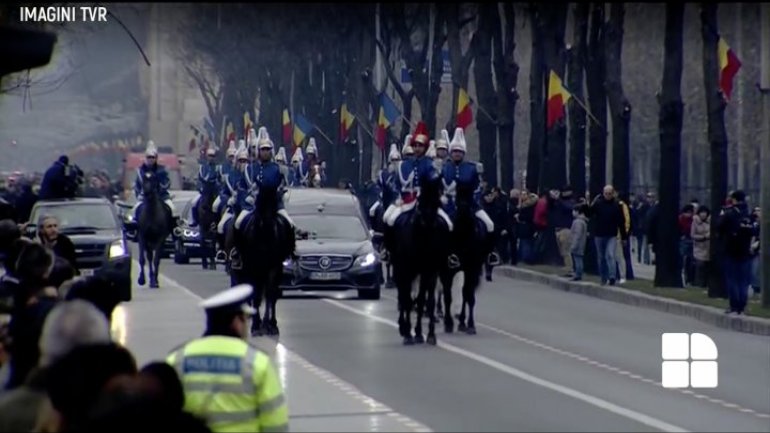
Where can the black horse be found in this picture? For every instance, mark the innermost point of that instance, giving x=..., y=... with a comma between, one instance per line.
x=418, y=251
x=462, y=277
x=155, y=225
x=207, y=221
x=264, y=243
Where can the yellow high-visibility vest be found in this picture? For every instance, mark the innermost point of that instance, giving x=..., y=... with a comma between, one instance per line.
x=231, y=384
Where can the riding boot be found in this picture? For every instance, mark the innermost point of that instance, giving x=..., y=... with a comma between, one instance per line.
x=232, y=246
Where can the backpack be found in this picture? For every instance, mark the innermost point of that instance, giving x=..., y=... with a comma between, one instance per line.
x=742, y=234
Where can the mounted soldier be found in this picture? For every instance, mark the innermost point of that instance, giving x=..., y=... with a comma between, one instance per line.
x=262, y=174
x=209, y=177
x=296, y=167
x=149, y=168
x=231, y=195
x=407, y=151
x=385, y=182
x=312, y=171
x=225, y=172
x=280, y=159
x=462, y=175
x=408, y=175
x=442, y=149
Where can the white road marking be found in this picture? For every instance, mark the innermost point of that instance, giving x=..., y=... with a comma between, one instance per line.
x=604, y=366
x=595, y=401
x=325, y=375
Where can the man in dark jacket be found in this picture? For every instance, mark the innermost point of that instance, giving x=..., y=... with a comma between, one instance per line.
x=61, y=245
x=497, y=210
x=25, y=201
x=513, y=238
x=608, y=223
x=60, y=180
x=737, y=230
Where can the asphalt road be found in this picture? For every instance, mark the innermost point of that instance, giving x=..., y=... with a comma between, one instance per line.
x=543, y=360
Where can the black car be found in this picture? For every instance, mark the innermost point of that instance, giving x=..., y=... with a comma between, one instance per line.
x=94, y=227
x=187, y=245
x=337, y=253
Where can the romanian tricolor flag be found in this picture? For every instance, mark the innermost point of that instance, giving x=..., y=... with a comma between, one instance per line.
x=286, y=123
x=464, y=113
x=302, y=127
x=388, y=115
x=346, y=121
x=230, y=131
x=247, y=123
x=557, y=98
x=728, y=67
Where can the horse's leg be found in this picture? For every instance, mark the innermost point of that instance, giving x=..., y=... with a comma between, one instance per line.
x=461, y=318
x=470, y=292
x=256, y=324
x=154, y=266
x=446, y=285
x=141, y=280
x=421, y=295
x=431, y=290
x=272, y=300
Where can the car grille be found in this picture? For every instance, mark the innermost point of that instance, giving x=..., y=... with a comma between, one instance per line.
x=84, y=251
x=336, y=263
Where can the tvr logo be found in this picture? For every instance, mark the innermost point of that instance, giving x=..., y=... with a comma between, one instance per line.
x=689, y=360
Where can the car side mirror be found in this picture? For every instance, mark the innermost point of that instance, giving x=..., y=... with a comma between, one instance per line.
x=30, y=230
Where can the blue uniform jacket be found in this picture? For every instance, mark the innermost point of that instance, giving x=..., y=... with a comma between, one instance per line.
x=462, y=174
x=386, y=186
x=208, y=176
x=229, y=187
x=164, y=183
x=408, y=175
x=258, y=175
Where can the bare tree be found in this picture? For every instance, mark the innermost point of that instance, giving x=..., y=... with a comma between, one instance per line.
x=486, y=114
x=507, y=73
x=577, y=115
x=597, y=101
x=620, y=108
x=536, y=98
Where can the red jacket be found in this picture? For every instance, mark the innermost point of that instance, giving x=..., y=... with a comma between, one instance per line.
x=541, y=213
x=685, y=225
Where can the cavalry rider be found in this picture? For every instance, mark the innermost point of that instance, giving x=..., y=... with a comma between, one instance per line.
x=225, y=171
x=60, y=180
x=151, y=165
x=385, y=180
x=442, y=149
x=230, y=194
x=458, y=173
x=311, y=164
x=296, y=167
x=264, y=173
x=251, y=143
x=209, y=176
x=280, y=159
x=407, y=179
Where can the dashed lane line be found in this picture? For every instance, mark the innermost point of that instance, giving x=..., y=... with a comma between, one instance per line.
x=511, y=371
x=616, y=370
x=375, y=407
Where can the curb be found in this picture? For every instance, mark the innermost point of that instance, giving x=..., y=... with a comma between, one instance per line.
x=704, y=313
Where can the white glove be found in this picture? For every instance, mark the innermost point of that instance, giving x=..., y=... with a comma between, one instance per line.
x=231, y=201
x=250, y=200
x=399, y=201
x=444, y=200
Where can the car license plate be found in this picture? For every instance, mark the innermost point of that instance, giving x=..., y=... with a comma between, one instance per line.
x=325, y=276
x=87, y=272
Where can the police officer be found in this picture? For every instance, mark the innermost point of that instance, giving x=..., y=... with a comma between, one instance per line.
x=228, y=382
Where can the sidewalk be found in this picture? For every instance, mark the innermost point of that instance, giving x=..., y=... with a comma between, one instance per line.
x=157, y=321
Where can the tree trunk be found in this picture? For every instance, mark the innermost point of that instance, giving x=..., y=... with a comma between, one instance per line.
x=485, y=91
x=668, y=270
x=365, y=91
x=597, y=102
x=717, y=137
x=460, y=62
x=536, y=99
x=577, y=115
x=554, y=164
x=507, y=73
x=620, y=108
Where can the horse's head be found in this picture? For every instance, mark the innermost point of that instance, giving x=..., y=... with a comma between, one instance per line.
x=149, y=184
x=464, y=196
x=430, y=191
x=267, y=205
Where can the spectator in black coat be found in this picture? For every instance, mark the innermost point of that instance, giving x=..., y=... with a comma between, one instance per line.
x=513, y=237
x=638, y=220
x=607, y=215
x=525, y=227
x=60, y=244
x=60, y=180
x=25, y=201
x=737, y=230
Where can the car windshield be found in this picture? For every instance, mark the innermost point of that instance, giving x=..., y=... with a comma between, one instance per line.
x=339, y=227
x=97, y=216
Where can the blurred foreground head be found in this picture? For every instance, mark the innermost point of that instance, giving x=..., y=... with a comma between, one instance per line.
x=69, y=325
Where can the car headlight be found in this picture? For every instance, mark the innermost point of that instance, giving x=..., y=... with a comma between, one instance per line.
x=190, y=233
x=365, y=260
x=117, y=249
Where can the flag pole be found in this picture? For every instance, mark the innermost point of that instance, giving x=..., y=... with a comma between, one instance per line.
x=322, y=134
x=595, y=120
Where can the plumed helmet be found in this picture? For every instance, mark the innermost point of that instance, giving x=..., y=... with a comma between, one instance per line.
x=394, y=154
x=232, y=150
x=151, y=149
x=311, y=147
x=210, y=151
x=251, y=138
x=421, y=133
x=263, y=139
x=458, y=141
x=243, y=151
x=408, y=150
x=281, y=154
x=297, y=157
x=407, y=142
x=431, y=152
x=443, y=141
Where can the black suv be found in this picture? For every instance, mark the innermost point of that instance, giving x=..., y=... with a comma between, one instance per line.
x=93, y=226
